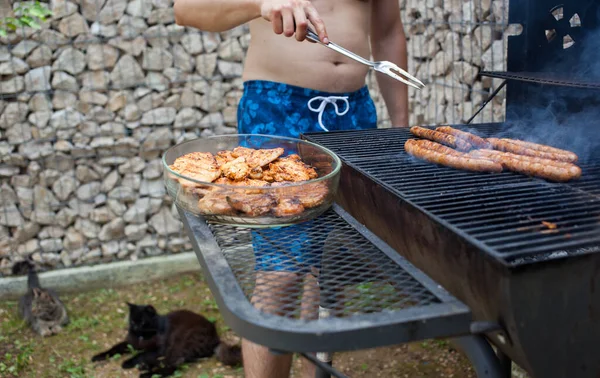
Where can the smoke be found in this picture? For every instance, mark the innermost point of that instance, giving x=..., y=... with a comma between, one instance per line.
x=563, y=116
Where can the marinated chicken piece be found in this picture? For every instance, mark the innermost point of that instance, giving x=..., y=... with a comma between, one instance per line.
x=309, y=195
x=252, y=204
x=289, y=168
x=200, y=166
x=288, y=207
x=245, y=182
x=256, y=173
x=257, y=158
x=236, y=170
x=215, y=203
x=223, y=157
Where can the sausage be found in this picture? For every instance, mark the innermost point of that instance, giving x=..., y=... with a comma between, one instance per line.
x=541, y=147
x=462, y=161
x=466, y=136
x=427, y=144
x=443, y=138
x=532, y=166
x=505, y=145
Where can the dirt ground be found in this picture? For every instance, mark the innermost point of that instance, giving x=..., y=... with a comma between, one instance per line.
x=99, y=320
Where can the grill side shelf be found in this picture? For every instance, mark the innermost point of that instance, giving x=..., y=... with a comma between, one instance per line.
x=385, y=299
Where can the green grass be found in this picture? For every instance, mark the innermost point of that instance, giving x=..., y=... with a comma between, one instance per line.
x=98, y=320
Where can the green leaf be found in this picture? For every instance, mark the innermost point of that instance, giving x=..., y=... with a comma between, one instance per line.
x=3, y=33
x=37, y=12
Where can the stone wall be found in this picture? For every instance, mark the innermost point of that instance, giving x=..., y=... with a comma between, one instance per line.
x=89, y=103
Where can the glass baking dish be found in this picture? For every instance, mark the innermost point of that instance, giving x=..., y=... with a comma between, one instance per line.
x=270, y=201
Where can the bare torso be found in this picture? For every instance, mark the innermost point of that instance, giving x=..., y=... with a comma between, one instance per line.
x=310, y=65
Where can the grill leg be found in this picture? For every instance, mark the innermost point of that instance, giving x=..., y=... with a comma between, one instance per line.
x=322, y=367
x=326, y=358
x=485, y=361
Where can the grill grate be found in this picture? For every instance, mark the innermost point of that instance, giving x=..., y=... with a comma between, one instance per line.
x=517, y=219
x=355, y=276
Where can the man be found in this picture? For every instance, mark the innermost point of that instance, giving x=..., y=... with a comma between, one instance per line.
x=292, y=87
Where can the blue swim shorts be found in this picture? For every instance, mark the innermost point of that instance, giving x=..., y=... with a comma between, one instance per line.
x=285, y=110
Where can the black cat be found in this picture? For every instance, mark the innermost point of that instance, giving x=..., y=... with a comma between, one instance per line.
x=167, y=341
x=41, y=308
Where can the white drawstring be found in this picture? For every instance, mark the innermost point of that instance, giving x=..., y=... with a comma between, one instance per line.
x=324, y=102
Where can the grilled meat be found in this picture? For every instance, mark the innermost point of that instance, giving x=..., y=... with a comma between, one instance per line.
x=443, y=138
x=215, y=203
x=568, y=155
x=236, y=169
x=427, y=144
x=200, y=166
x=223, y=157
x=533, y=166
x=507, y=145
x=464, y=161
x=244, y=182
x=287, y=207
x=308, y=195
x=473, y=139
x=257, y=158
x=289, y=168
x=256, y=173
x=253, y=205
x=245, y=167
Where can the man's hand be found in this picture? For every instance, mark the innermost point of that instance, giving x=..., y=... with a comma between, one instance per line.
x=290, y=17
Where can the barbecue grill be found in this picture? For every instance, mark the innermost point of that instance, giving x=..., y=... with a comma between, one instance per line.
x=518, y=257
x=519, y=251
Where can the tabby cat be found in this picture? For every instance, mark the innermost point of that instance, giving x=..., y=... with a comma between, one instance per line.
x=167, y=341
x=41, y=308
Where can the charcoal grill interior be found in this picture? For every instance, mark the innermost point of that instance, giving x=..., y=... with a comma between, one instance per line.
x=515, y=219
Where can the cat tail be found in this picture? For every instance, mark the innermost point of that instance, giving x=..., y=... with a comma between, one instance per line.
x=230, y=355
x=32, y=279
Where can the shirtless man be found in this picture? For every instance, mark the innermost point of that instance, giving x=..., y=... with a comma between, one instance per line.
x=292, y=87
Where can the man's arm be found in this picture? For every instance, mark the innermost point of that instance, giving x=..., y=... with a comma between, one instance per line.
x=388, y=42
x=288, y=17
x=215, y=15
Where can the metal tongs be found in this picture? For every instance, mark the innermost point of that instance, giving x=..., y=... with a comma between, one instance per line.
x=383, y=66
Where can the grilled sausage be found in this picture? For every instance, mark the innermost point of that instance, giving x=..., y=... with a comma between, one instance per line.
x=427, y=144
x=505, y=145
x=443, y=138
x=532, y=166
x=473, y=139
x=458, y=160
x=572, y=157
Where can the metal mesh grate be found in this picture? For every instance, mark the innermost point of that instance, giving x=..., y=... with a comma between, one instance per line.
x=355, y=277
x=519, y=219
